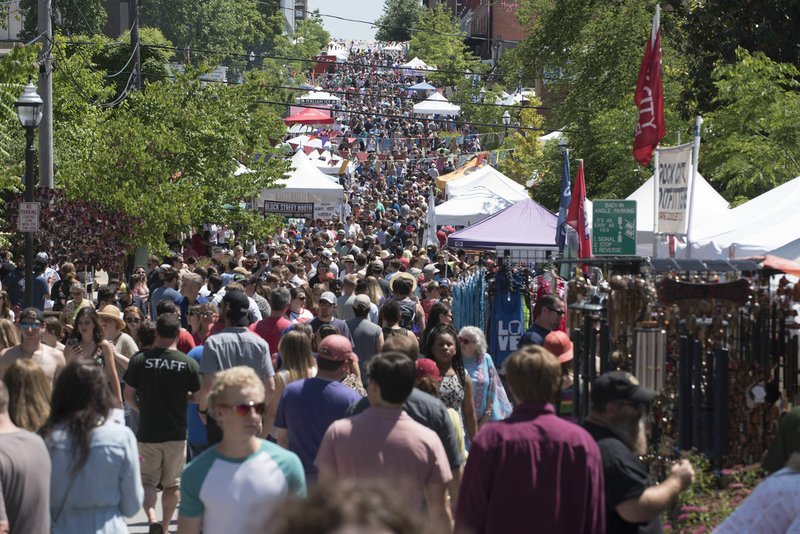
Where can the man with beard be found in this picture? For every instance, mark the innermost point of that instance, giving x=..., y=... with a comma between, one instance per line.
x=616, y=421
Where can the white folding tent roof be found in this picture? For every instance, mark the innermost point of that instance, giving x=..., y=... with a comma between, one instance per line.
x=305, y=183
x=417, y=64
x=489, y=178
x=436, y=104
x=764, y=224
x=708, y=204
x=470, y=208
x=318, y=96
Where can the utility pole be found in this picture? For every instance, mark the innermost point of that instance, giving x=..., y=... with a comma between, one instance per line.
x=133, y=13
x=46, y=92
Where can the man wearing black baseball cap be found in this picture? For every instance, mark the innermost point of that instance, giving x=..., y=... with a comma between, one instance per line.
x=619, y=405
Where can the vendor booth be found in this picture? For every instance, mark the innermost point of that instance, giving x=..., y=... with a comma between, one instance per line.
x=711, y=206
x=305, y=193
x=471, y=207
x=436, y=104
x=489, y=178
x=310, y=116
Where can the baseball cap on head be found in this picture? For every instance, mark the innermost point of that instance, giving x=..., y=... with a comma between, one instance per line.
x=619, y=385
x=237, y=306
x=32, y=314
x=337, y=348
x=560, y=345
x=362, y=302
x=328, y=297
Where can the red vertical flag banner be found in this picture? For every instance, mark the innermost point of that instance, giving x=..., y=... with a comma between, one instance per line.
x=649, y=98
x=576, y=215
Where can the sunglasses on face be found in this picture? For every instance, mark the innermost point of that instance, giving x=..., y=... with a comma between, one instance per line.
x=244, y=409
x=133, y=320
x=29, y=326
x=557, y=312
x=301, y=298
x=200, y=314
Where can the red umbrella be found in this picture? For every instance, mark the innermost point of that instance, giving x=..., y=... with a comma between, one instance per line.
x=310, y=116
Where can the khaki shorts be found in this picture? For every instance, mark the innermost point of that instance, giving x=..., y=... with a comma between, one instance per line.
x=163, y=462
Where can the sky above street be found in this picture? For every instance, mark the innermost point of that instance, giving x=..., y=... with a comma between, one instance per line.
x=354, y=9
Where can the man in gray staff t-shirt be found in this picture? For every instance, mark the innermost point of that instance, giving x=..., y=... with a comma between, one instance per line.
x=24, y=476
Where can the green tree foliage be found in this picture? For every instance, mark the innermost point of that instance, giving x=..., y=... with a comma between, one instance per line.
x=397, y=19
x=166, y=156
x=438, y=40
x=588, y=54
x=522, y=153
x=224, y=26
x=715, y=29
x=69, y=16
x=753, y=137
x=309, y=39
x=16, y=68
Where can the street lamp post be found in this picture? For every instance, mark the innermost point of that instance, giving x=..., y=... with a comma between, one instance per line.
x=506, y=120
x=29, y=112
x=482, y=94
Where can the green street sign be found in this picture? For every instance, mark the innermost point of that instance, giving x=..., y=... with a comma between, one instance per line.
x=614, y=228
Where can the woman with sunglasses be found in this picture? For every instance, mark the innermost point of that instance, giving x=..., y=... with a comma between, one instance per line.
x=456, y=386
x=240, y=484
x=490, y=398
x=134, y=318
x=75, y=304
x=88, y=342
x=297, y=312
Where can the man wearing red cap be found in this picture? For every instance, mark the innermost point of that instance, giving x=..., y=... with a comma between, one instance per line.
x=307, y=407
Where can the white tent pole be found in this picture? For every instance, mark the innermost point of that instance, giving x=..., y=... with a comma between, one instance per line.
x=695, y=161
x=656, y=178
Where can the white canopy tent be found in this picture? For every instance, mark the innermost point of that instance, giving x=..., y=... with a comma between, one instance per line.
x=306, y=183
x=470, y=207
x=709, y=205
x=318, y=97
x=489, y=178
x=417, y=64
x=763, y=225
x=436, y=104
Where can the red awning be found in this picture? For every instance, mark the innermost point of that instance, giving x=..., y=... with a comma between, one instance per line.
x=310, y=116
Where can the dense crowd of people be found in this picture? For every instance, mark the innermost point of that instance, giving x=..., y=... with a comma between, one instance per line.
x=312, y=383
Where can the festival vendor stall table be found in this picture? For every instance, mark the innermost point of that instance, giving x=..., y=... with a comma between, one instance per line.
x=522, y=237
x=305, y=193
x=717, y=339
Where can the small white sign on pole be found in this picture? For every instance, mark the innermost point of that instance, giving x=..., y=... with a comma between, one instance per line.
x=28, y=217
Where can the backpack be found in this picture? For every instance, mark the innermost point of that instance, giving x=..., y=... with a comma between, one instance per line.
x=408, y=314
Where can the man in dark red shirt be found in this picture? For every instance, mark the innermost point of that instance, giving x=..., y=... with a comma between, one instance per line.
x=271, y=328
x=533, y=471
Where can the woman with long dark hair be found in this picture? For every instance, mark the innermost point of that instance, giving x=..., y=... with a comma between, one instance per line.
x=456, y=387
x=440, y=313
x=88, y=342
x=95, y=477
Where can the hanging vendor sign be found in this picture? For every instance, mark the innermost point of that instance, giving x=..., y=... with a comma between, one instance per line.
x=299, y=210
x=674, y=175
x=327, y=210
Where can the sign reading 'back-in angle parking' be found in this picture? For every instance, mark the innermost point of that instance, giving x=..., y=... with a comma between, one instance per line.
x=614, y=228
